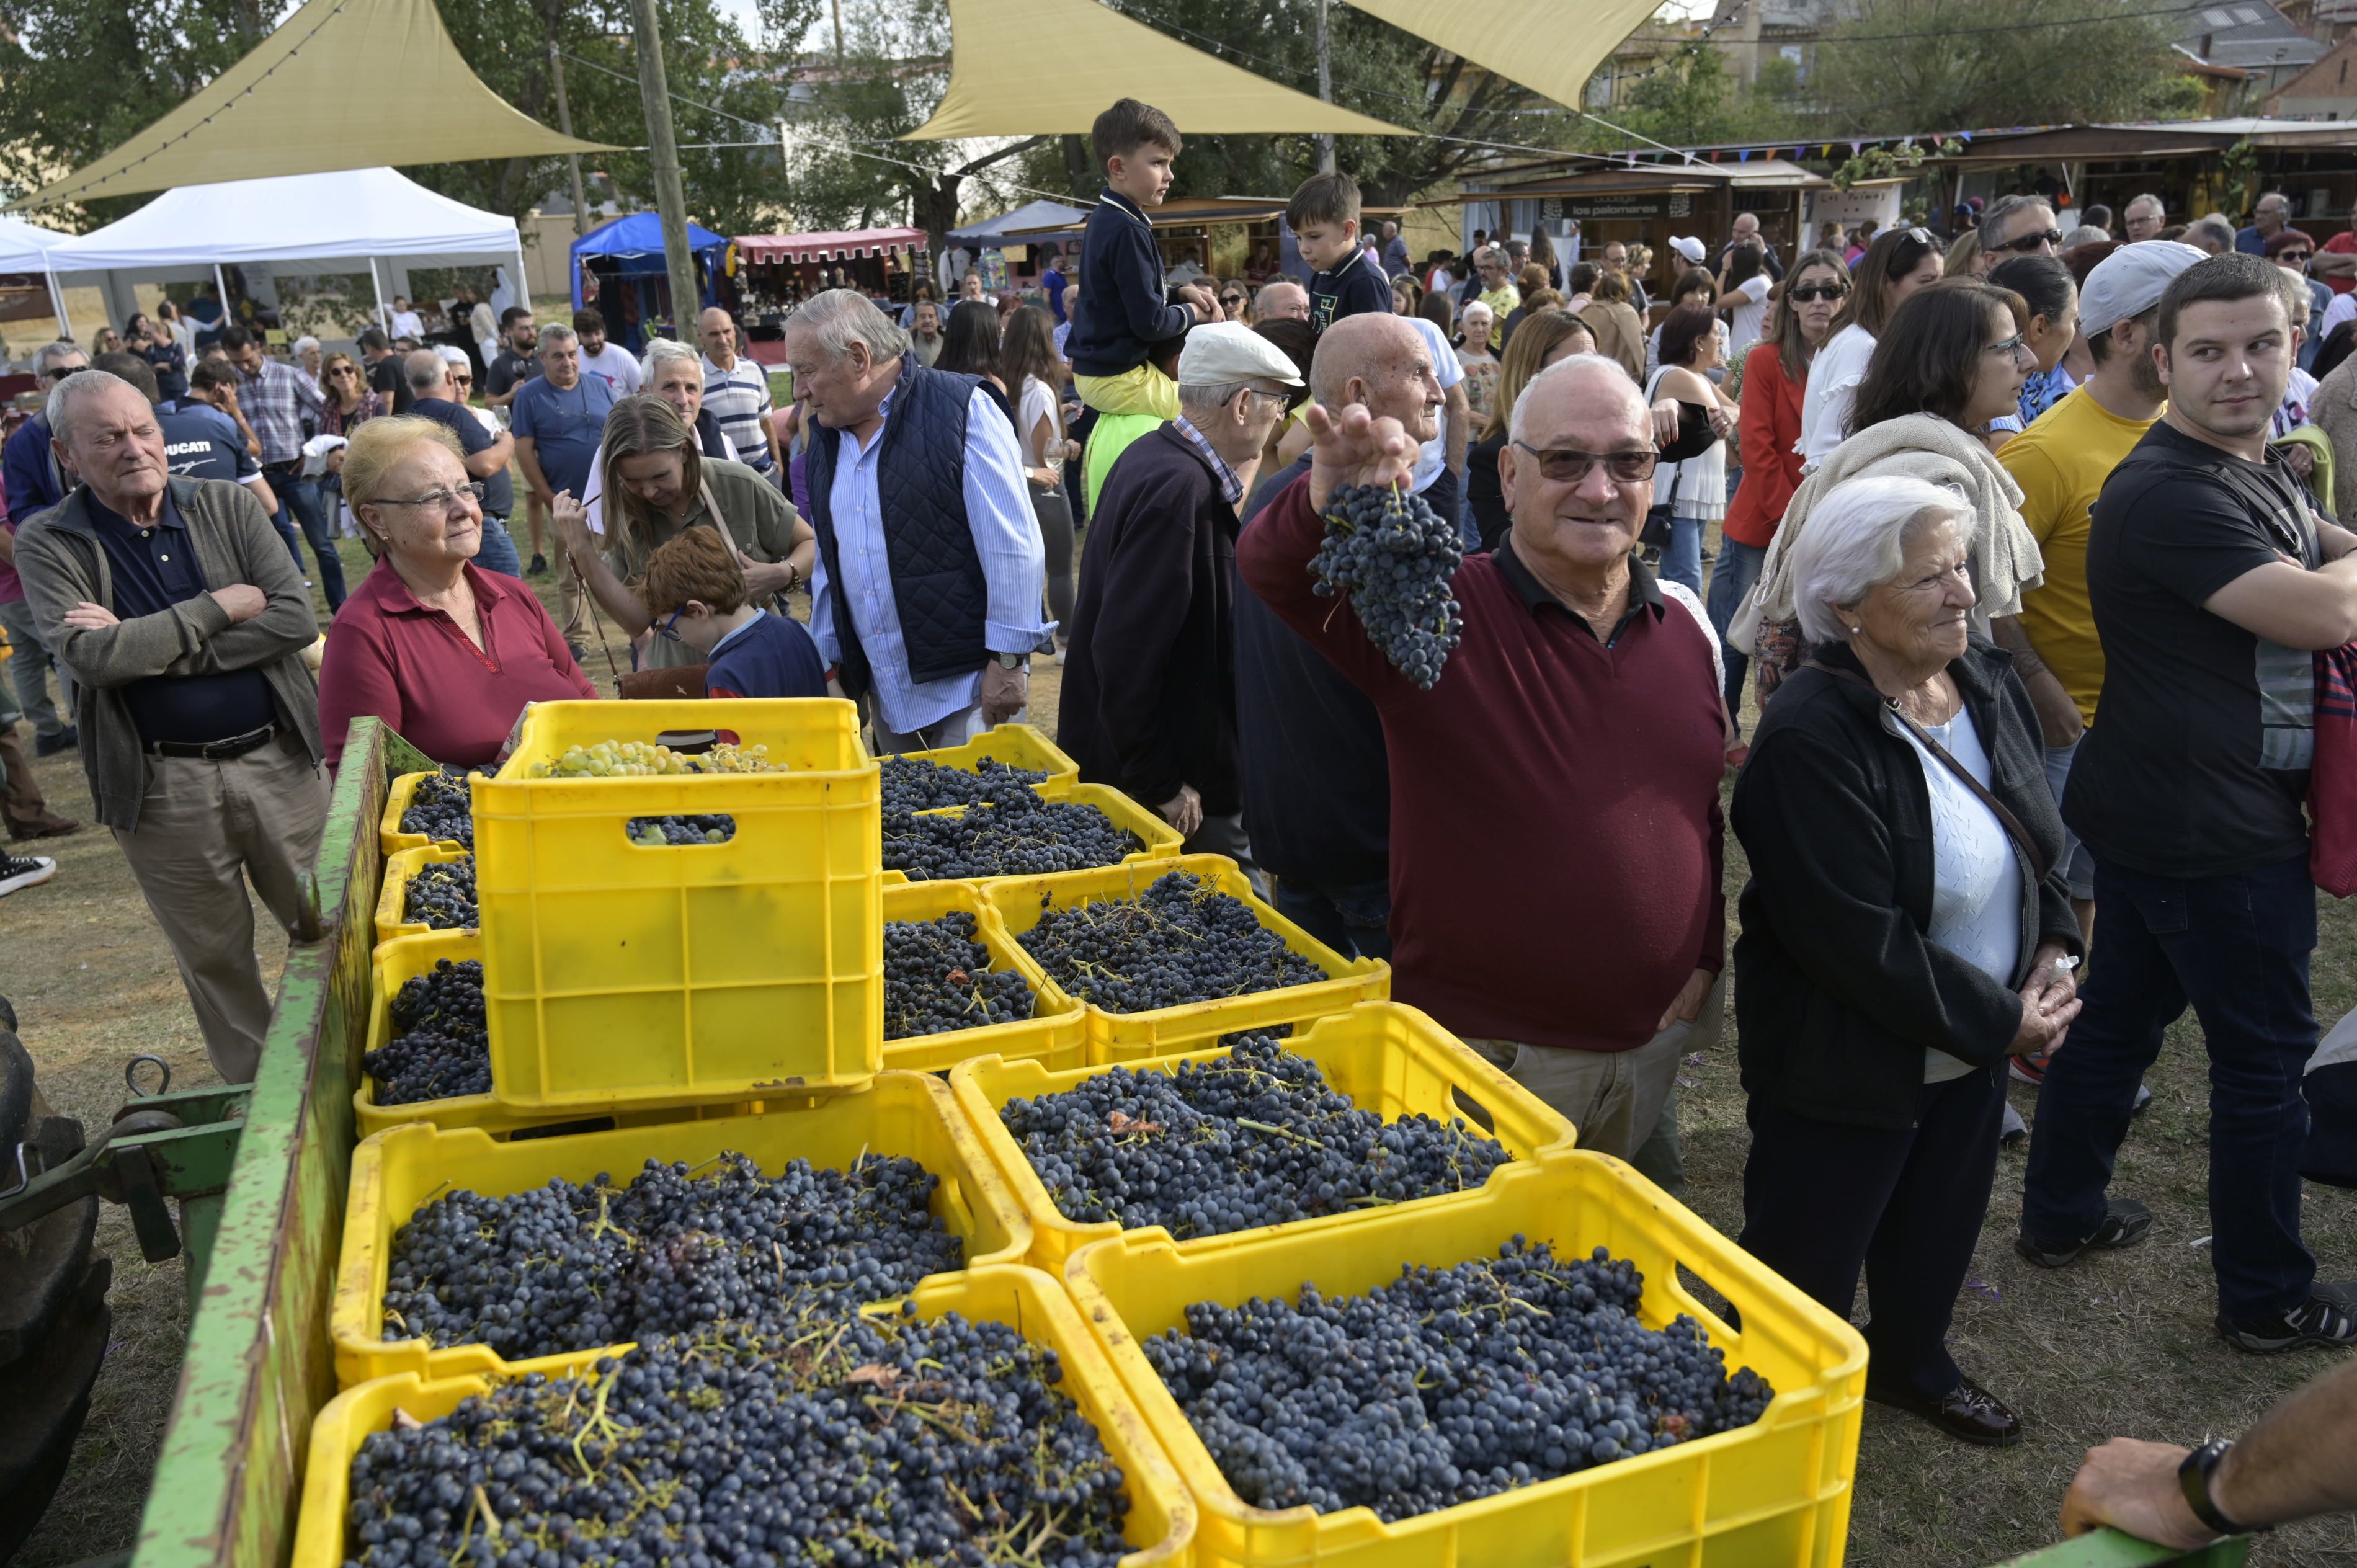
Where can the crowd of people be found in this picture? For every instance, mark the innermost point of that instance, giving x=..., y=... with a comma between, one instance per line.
x=2022, y=547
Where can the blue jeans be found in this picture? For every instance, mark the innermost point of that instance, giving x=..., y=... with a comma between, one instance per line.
x=498, y=551
x=1351, y=918
x=2237, y=949
x=1731, y=576
x=301, y=497
x=1682, y=558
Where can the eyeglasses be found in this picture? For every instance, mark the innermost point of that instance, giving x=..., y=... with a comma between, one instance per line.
x=2029, y=242
x=2008, y=348
x=1568, y=465
x=444, y=497
x=669, y=631
x=1231, y=300
x=1811, y=291
x=345, y=371
x=2293, y=255
x=59, y=375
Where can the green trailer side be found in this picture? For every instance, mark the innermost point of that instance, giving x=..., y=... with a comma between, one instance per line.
x=230, y=1477
x=257, y=1370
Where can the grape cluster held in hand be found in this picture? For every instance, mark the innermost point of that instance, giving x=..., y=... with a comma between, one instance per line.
x=1395, y=556
x=1257, y=1138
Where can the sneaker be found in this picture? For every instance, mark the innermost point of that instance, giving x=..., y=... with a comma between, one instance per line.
x=66, y=739
x=2014, y=1132
x=2030, y=1068
x=2126, y=1223
x=539, y=567
x=2142, y=1103
x=2319, y=1320
x=25, y=871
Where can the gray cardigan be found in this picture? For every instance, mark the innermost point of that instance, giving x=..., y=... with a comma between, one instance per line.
x=62, y=564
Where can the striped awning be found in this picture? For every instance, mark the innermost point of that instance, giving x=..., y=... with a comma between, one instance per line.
x=833, y=245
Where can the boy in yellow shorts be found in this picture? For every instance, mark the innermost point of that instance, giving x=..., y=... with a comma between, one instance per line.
x=1124, y=307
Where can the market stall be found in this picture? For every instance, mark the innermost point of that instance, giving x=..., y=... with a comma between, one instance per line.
x=770, y=274
x=619, y=268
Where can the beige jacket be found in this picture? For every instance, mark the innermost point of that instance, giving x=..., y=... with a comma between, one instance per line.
x=2333, y=410
x=2004, y=554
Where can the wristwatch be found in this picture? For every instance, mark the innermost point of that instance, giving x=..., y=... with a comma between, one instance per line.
x=2193, y=1478
x=1013, y=660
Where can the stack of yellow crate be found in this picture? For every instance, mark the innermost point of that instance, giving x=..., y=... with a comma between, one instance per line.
x=729, y=996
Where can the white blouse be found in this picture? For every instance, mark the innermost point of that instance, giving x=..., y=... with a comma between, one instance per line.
x=1975, y=875
x=1834, y=376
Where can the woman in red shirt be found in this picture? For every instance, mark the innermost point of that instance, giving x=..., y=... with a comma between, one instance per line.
x=443, y=653
x=1775, y=374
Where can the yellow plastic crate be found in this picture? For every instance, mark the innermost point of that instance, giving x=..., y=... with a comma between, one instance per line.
x=1775, y=1493
x=1017, y=745
x=390, y=838
x=395, y=1173
x=1160, y=1523
x=1058, y=1029
x=391, y=904
x=1386, y=1058
x=617, y=974
x=1019, y=900
x=1159, y=839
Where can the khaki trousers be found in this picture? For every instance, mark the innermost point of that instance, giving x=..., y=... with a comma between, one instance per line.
x=201, y=825
x=1613, y=1098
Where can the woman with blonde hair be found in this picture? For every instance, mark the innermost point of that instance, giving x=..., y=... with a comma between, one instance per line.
x=658, y=486
x=350, y=402
x=443, y=651
x=1541, y=340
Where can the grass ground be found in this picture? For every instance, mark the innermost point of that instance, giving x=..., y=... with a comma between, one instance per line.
x=2118, y=1345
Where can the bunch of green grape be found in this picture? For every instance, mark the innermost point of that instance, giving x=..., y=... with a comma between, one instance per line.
x=638, y=759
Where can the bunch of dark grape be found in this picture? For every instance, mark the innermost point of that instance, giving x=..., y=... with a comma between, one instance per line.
x=1395, y=556
x=937, y=978
x=1181, y=940
x=443, y=809
x=442, y=896
x=1445, y=1386
x=1255, y=1138
x=657, y=831
x=571, y=1266
x=858, y=1443
x=441, y=1048
x=1013, y=832
x=913, y=784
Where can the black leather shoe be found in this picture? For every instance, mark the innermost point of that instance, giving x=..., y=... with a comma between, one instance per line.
x=1967, y=1411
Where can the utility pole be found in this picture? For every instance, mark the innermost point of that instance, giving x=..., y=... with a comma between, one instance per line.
x=838, y=36
x=1326, y=93
x=565, y=124
x=671, y=200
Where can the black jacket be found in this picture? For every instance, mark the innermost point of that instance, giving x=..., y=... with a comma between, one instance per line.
x=1124, y=308
x=1837, y=989
x=1149, y=699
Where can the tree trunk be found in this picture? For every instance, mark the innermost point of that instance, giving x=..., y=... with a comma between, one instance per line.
x=1079, y=171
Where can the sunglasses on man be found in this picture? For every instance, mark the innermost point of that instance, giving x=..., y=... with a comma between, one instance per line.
x=2029, y=242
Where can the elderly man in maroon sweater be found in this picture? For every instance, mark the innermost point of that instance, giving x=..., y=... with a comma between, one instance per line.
x=1556, y=843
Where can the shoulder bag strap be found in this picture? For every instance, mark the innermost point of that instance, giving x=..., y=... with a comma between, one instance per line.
x=2011, y=824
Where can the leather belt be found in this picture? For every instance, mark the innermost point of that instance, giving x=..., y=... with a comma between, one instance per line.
x=215, y=750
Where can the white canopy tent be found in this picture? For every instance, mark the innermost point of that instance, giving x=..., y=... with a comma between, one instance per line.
x=24, y=250
x=305, y=223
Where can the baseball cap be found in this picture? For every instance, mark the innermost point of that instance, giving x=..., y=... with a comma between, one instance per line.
x=2131, y=279
x=1222, y=351
x=1689, y=247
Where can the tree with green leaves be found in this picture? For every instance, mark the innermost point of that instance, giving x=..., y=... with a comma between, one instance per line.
x=1946, y=65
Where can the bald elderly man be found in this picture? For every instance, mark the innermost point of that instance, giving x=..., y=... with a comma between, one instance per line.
x=1556, y=838
x=737, y=391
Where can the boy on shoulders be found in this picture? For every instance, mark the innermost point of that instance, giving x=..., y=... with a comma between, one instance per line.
x=1324, y=217
x=1124, y=306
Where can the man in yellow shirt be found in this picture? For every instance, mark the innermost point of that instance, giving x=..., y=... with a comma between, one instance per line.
x=2061, y=463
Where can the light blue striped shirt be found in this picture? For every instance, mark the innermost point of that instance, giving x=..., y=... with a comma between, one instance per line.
x=1005, y=536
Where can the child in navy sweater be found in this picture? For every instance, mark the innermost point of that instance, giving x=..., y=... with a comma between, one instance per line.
x=695, y=593
x=1123, y=307
x=1324, y=217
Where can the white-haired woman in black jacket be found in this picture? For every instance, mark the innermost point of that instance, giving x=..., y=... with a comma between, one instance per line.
x=1903, y=934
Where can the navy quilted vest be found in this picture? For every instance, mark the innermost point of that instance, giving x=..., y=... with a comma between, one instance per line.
x=937, y=579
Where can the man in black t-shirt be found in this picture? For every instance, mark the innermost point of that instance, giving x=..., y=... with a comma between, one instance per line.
x=2211, y=583
x=382, y=368
x=518, y=360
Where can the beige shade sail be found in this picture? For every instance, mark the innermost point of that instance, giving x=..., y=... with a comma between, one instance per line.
x=1033, y=68
x=1543, y=45
x=301, y=103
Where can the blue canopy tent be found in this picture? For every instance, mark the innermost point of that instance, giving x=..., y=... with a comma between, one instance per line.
x=1031, y=216
x=634, y=285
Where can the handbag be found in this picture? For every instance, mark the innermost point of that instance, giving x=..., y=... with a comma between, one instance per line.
x=2005, y=819
x=1655, y=534
x=2332, y=776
